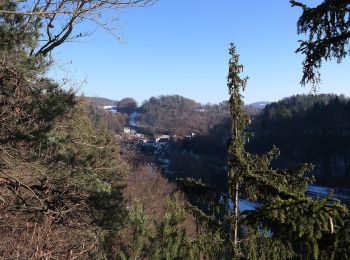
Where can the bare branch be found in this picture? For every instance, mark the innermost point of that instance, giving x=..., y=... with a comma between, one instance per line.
x=60, y=17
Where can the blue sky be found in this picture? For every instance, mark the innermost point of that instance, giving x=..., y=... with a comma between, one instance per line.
x=181, y=47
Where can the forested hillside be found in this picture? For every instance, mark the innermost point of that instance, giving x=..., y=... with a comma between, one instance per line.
x=313, y=128
x=179, y=115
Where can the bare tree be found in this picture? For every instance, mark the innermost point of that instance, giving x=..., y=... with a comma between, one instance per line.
x=58, y=18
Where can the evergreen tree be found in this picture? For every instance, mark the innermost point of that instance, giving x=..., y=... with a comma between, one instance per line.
x=287, y=223
x=167, y=239
x=238, y=162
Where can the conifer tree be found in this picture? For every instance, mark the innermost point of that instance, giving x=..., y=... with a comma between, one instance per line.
x=287, y=223
x=165, y=239
x=237, y=162
x=327, y=28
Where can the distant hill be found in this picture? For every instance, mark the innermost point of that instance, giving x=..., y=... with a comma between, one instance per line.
x=259, y=105
x=308, y=128
x=178, y=115
x=100, y=101
x=256, y=108
x=126, y=105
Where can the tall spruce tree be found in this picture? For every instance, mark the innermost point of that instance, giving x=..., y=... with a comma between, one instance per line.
x=287, y=223
x=238, y=161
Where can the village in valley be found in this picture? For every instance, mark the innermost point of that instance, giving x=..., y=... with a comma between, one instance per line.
x=154, y=148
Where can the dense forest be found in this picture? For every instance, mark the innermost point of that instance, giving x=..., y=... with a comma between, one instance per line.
x=312, y=128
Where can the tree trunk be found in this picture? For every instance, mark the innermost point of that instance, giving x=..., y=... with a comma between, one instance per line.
x=235, y=213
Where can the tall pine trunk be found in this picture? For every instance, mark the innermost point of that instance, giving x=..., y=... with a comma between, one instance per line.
x=237, y=156
x=235, y=213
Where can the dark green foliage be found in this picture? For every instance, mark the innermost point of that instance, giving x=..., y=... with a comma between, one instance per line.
x=337, y=246
x=206, y=203
x=167, y=239
x=171, y=241
x=29, y=102
x=296, y=105
x=29, y=112
x=308, y=127
x=311, y=128
x=14, y=30
x=134, y=246
x=188, y=165
x=327, y=27
x=286, y=217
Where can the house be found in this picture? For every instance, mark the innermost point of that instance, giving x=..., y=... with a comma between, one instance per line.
x=128, y=130
x=164, y=138
x=110, y=109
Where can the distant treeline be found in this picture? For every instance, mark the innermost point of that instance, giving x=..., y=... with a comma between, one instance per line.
x=178, y=115
x=308, y=128
x=168, y=114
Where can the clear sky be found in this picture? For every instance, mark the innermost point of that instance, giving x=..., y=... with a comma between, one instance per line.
x=181, y=47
